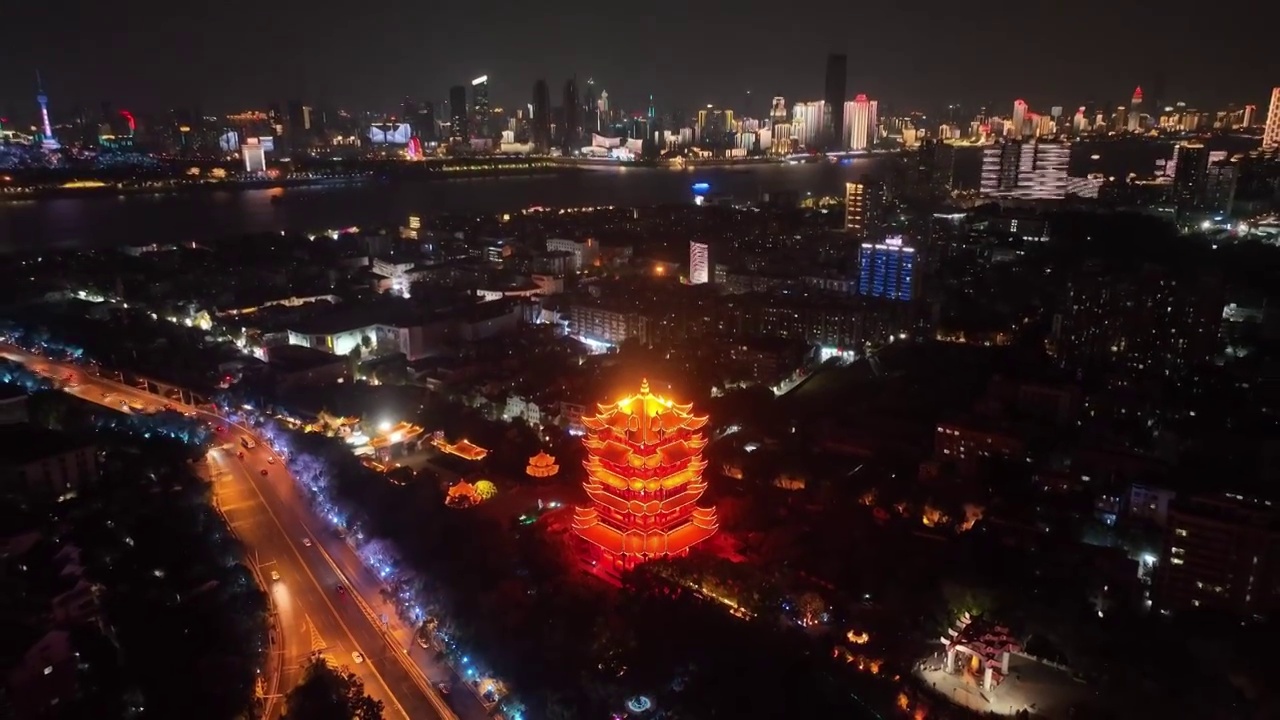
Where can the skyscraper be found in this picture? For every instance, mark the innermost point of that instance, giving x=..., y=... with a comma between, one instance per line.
x=458, y=114
x=1271, y=131
x=1135, y=111
x=480, y=107
x=832, y=129
x=572, y=116
x=541, y=116
x=860, y=114
x=1019, y=118
x=855, y=209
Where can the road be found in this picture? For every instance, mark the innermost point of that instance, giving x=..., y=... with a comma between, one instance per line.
x=263, y=504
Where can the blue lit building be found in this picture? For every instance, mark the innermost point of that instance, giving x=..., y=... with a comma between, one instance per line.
x=887, y=270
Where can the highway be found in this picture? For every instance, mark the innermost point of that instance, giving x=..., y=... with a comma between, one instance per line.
x=264, y=506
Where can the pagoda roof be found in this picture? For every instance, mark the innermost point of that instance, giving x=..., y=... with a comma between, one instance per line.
x=692, y=492
x=586, y=522
x=603, y=474
x=644, y=418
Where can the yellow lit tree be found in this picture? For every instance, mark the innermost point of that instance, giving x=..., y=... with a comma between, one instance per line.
x=486, y=489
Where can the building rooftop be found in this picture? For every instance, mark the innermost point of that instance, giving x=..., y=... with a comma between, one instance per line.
x=298, y=358
x=28, y=443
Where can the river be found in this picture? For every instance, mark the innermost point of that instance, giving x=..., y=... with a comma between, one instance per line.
x=103, y=220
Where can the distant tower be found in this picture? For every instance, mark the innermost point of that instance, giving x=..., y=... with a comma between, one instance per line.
x=572, y=115
x=48, y=141
x=1135, y=111
x=651, y=113
x=1019, y=118
x=458, y=114
x=541, y=116
x=832, y=128
x=480, y=107
x=1271, y=131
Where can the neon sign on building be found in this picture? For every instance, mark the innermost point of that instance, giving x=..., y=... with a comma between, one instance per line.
x=644, y=475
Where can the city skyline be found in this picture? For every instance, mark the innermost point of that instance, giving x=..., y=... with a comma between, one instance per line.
x=682, y=66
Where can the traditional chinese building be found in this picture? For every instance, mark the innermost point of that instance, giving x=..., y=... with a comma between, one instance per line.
x=644, y=475
x=986, y=648
x=542, y=465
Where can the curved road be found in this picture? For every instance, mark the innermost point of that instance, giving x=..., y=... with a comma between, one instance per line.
x=282, y=536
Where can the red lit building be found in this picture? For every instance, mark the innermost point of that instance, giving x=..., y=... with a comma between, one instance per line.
x=644, y=475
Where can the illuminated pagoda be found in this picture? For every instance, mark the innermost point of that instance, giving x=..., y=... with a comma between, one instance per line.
x=542, y=465
x=644, y=474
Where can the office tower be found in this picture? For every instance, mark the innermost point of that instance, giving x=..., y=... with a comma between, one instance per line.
x=778, y=111
x=426, y=122
x=832, y=128
x=1019, y=122
x=887, y=270
x=254, y=155
x=1271, y=131
x=47, y=140
x=1248, y=116
x=701, y=269
x=806, y=120
x=458, y=114
x=541, y=116
x=714, y=126
x=1220, y=186
x=480, y=107
x=860, y=118
x=1222, y=554
x=590, y=111
x=571, y=137
x=1191, y=175
x=1135, y=111
x=1078, y=123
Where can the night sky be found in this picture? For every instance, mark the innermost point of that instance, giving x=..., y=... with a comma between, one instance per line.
x=148, y=55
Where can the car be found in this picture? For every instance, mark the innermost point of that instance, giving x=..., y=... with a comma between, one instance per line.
x=106, y=395
x=306, y=542
x=444, y=688
x=356, y=657
x=342, y=590
x=221, y=429
x=167, y=406
x=271, y=460
x=275, y=575
x=240, y=454
x=264, y=472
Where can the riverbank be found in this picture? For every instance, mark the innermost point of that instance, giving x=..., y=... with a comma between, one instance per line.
x=171, y=186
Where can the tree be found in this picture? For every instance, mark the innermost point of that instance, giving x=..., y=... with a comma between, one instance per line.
x=327, y=693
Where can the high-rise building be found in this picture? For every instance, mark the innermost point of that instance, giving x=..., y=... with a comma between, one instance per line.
x=1220, y=186
x=644, y=477
x=806, y=123
x=861, y=120
x=458, y=130
x=778, y=111
x=701, y=270
x=1029, y=170
x=1249, y=116
x=571, y=137
x=832, y=128
x=1271, y=131
x=887, y=270
x=541, y=125
x=255, y=157
x=855, y=209
x=1190, y=176
x=1019, y=120
x=1135, y=111
x=1222, y=553
x=480, y=107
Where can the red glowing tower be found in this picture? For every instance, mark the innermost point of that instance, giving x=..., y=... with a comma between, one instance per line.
x=644, y=474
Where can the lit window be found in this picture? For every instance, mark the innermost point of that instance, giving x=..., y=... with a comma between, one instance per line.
x=48, y=669
x=1176, y=561
x=1180, y=532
